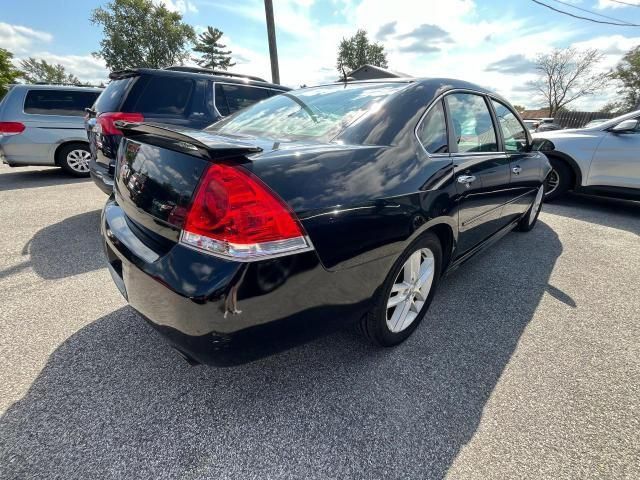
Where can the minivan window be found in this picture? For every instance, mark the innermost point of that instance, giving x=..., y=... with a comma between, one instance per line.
x=58, y=102
x=231, y=98
x=111, y=98
x=472, y=123
x=515, y=138
x=166, y=96
x=432, y=132
x=309, y=112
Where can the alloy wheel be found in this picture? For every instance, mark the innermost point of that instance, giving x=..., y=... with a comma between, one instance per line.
x=78, y=160
x=410, y=290
x=553, y=180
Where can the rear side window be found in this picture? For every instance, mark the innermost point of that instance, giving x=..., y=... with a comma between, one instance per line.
x=432, y=132
x=166, y=96
x=231, y=98
x=515, y=138
x=111, y=98
x=58, y=102
x=472, y=123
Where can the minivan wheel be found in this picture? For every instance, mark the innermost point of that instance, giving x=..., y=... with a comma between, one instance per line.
x=404, y=298
x=558, y=181
x=74, y=159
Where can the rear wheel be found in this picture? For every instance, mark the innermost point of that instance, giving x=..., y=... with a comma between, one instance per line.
x=558, y=181
x=405, y=296
x=74, y=159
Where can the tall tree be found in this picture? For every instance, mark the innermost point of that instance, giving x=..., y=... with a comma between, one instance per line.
x=357, y=51
x=213, y=53
x=628, y=73
x=141, y=33
x=8, y=73
x=41, y=71
x=567, y=75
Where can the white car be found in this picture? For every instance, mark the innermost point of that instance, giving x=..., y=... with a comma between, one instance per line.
x=603, y=159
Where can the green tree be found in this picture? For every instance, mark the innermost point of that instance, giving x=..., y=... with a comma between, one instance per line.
x=213, y=53
x=519, y=108
x=357, y=51
x=41, y=71
x=139, y=33
x=8, y=73
x=628, y=73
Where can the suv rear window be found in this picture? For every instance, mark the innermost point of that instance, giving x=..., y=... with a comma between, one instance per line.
x=166, y=96
x=111, y=99
x=58, y=102
x=231, y=98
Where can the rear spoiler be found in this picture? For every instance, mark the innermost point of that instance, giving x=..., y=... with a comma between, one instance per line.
x=214, y=146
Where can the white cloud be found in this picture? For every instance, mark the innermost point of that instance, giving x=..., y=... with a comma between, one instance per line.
x=602, y=4
x=86, y=67
x=181, y=6
x=18, y=39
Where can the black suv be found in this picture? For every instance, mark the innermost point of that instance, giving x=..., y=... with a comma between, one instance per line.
x=185, y=96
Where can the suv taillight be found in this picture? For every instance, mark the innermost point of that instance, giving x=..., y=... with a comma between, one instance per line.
x=106, y=121
x=11, y=128
x=234, y=215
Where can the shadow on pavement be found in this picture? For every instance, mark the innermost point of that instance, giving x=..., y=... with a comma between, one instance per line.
x=115, y=401
x=605, y=211
x=70, y=247
x=32, y=179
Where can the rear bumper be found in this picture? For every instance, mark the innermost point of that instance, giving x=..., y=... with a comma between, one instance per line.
x=221, y=312
x=101, y=176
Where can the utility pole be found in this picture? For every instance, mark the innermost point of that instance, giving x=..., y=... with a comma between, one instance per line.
x=273, y=49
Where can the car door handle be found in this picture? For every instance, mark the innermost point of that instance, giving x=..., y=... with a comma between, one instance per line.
x=516, y=170
x=466, y=179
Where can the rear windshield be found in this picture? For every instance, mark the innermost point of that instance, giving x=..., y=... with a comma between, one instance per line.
x=231, y=98
x=58, y=102
x=318, y=112
x=111, y=99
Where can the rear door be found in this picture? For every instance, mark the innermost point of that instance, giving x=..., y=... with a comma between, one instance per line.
x=616, y=161
x=524, y=165
x=481, y=170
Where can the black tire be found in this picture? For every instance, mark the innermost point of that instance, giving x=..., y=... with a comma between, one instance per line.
x=64, y=160
x=527, y=222
x=562, y=181
x=374, y=324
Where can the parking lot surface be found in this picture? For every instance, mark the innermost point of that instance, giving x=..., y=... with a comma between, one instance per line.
x=527, y=366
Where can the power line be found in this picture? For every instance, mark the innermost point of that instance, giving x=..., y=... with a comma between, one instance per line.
x=585, y=18
x=590, y=12
x=626, y=3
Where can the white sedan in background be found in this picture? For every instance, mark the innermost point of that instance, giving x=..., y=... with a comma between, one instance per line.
x=603, y=159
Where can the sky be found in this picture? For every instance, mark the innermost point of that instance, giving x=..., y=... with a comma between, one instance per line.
x=489, y=42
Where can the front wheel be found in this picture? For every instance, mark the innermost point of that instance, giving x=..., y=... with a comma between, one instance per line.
x=74, y=159
x=405, y=296
x=528, y=221
x=558, y=181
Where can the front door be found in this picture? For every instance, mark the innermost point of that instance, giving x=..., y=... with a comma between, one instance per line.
x=481, y=171
x=616, y=162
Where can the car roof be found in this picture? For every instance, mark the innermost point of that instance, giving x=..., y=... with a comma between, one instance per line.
x=42, y=86
x=220, y=78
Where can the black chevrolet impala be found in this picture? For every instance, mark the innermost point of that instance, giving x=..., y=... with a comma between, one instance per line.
x=337, y=203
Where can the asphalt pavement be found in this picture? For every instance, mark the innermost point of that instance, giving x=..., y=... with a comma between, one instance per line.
x=527, y=366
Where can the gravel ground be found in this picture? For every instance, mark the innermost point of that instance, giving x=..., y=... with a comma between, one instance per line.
x=528, y=365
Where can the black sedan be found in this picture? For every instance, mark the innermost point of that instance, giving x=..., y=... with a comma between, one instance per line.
x=337, y=203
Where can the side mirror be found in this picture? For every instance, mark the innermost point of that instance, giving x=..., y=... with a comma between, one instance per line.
x=542, y=145
x=625, y=126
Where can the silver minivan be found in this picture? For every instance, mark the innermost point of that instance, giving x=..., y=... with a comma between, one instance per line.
x=44, y=125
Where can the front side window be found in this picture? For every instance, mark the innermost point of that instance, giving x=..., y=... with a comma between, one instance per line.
x=432, y=132
x=472, y=123
x=58, y=102
x=231, y=98
x=308, y=113
x=515, y=138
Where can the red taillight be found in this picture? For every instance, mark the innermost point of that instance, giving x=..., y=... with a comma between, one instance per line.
x=106, y=121
x=11, y=128
x=235, y=215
